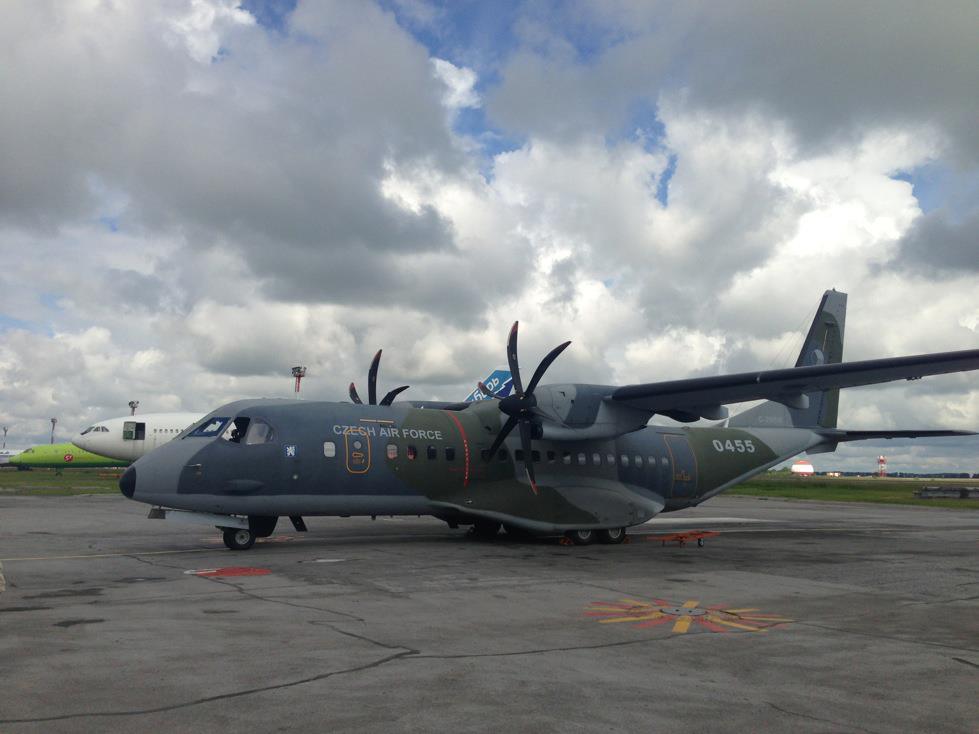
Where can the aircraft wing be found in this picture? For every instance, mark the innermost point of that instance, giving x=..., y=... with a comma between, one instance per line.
x=787, y=386
x=840, y=435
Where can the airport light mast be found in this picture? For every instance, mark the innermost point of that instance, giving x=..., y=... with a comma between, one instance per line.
x=4, y=437
x=881, y=466
x=299, y=373
x=133, y=404
x=54, y=422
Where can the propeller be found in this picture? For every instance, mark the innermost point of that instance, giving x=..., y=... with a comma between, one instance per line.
x=372, y=386
x=521, y=405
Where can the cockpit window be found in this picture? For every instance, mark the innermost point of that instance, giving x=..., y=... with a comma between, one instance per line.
x=209, y=428
x=236, y=430
x=259, y=432
x=88, y=430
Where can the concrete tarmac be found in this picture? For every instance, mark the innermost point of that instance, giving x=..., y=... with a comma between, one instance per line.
x=798, y=617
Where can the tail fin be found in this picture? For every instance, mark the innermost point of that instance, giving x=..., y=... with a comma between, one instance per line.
x=499, y=381
x=823, y=345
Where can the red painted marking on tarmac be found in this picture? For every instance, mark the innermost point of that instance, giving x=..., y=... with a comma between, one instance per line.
x=683, y=538
x=230, y=571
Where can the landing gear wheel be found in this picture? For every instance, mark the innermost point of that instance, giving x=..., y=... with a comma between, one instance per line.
x=581, y=537
x=238, y=538
x=485, y=529
x=611, y=536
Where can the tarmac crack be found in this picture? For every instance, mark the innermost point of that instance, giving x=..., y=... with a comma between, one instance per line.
x=905, y=640
x=218, y=697
x=809, y=717
x=965, y=662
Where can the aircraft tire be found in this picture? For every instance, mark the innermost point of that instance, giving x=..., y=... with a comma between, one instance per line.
x=611, y=536
x=485, y=529
x=581, y=537
x=238, y=539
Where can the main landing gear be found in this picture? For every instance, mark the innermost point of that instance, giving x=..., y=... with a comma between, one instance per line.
x=239, y=538
x=609, y=536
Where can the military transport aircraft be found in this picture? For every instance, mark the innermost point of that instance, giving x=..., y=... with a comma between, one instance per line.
x=569, y=458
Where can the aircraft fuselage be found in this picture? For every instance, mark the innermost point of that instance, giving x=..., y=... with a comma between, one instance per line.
x=345, y=459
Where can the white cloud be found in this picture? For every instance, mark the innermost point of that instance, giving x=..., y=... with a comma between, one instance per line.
x=459, y=82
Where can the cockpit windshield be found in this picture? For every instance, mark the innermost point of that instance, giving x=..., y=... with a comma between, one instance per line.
x=209, y=428
x=259, y=432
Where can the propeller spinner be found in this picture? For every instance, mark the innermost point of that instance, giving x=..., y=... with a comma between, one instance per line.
x=521, y=405
x=372, y=386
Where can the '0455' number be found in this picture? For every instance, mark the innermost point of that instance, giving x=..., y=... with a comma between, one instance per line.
x=737, y=445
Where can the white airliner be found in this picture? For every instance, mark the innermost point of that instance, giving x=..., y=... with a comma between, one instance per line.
x=130, y=437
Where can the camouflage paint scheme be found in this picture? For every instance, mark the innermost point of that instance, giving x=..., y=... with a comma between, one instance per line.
x=598, y=463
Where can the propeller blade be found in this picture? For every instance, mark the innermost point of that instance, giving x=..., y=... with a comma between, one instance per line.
x=526, y=433
x=544, y=364
x=501, y=437
x=511, y=356
x=372, y=378
x=389, y=398
x=354, y=396
x=486, y=391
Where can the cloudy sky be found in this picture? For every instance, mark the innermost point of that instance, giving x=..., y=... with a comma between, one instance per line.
x=196, y=195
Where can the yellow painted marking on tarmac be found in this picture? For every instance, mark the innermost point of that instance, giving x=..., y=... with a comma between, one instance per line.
x=682, y=624
x=642, y=618
x=729, y=623
x=3, y=581
x=692, y=604
x=741, y=611
x=109, y=555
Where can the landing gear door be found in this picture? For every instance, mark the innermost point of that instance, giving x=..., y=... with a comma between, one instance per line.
x=684, y=465
x=357, y=450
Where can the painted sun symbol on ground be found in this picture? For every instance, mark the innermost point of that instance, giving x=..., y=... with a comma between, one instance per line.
x=683, y=617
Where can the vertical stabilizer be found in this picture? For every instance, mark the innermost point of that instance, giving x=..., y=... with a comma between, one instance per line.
x=823, y=345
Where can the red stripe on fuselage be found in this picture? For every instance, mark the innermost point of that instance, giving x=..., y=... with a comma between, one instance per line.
x=465, y=447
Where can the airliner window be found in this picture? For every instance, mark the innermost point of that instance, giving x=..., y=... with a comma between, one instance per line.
x=412, y=453
x=596, y=459
x=638, y=460
x=259, y=432
x=610, y=459
x=392, y=451
x=329, y=449
x=209, y=429
x=432, y=452
x=450, y=453
x=87, y=430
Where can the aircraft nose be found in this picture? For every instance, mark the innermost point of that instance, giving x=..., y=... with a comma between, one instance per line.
x=127, y=482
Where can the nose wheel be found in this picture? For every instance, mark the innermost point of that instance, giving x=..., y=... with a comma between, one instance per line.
x=239, y=539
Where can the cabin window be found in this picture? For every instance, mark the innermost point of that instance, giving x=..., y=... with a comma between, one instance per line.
x=208, y=429
x=535, y=456
x=637, y=460
x=664, y=461
x=651, y=460
x=551, y=457
x=518, y=455
x=329, y=449
x=392, y=451
x=412, y=453
x=501, y=455
x=610, y=459
x=432, y=453
x=566, y=457
x=582, y=459
x=450, y=453
x=259, y=432
x=596, y=458
x=624, y=460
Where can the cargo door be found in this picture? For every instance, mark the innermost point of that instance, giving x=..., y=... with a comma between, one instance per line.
x=684, y=465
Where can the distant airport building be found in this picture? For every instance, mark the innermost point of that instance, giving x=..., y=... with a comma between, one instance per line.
x=803, y=468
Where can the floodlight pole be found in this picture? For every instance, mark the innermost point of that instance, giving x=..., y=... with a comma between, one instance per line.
x=133, y=404
x=299, y=373
x=54, y=422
